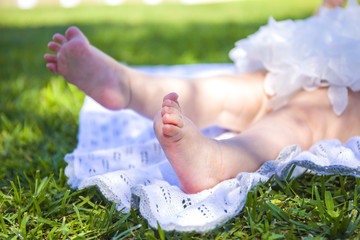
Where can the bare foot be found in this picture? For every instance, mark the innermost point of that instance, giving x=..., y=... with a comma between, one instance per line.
x=92, y=71
x=201, y=162
x=194, y=157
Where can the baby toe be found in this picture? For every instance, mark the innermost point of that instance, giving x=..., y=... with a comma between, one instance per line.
x=59, y=38
x=53, y=46
x=52, y=67
x=171, y=104
x=173, y=119
x=171, y=100
x=170, y=110
x=72, y=32
x=171, y=130
x=50, y=58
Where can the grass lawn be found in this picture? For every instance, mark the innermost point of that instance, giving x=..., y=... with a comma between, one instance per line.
x=39, y=121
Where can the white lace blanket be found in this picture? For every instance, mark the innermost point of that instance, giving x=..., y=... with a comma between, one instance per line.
x=118, y=152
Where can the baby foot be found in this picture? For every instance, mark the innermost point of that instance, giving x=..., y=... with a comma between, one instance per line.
x=194, y=157
x=92, y=71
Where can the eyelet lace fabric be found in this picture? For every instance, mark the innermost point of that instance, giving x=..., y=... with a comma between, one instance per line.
x=321, y=51
x=118, y=152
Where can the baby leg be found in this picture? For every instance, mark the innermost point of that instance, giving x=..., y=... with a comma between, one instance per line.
x=201, y=162
x=117, y=86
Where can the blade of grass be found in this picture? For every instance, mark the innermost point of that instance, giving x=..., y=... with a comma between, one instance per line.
x=329, y=203
x=37, y=207
x=63, y=202
x=319, y=204
x=2, y=222
x=78, y=215
x=125, y=234
x=23, y=224
x=278, y=212
x=161, y=232
x=353, y=225
x=17, y=194
x=356, y=193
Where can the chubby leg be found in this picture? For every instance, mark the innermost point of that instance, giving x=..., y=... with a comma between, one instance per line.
x=201, y=162
x=117, y=86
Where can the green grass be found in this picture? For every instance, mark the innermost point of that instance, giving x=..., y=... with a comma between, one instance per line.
x=39, y=122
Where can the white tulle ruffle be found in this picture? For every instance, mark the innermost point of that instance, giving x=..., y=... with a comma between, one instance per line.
x=321, y=51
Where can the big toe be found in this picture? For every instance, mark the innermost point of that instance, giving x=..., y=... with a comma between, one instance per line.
x=171, y=100
x=73, y=32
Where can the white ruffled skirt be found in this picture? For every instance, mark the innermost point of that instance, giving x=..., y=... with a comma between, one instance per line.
x=321, y=51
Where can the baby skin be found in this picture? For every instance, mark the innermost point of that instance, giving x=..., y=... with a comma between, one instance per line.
x=200, y=162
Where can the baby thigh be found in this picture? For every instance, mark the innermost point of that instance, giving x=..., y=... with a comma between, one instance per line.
x=318, y=113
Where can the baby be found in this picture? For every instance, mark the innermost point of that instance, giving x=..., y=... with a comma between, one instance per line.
x=234, y=102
